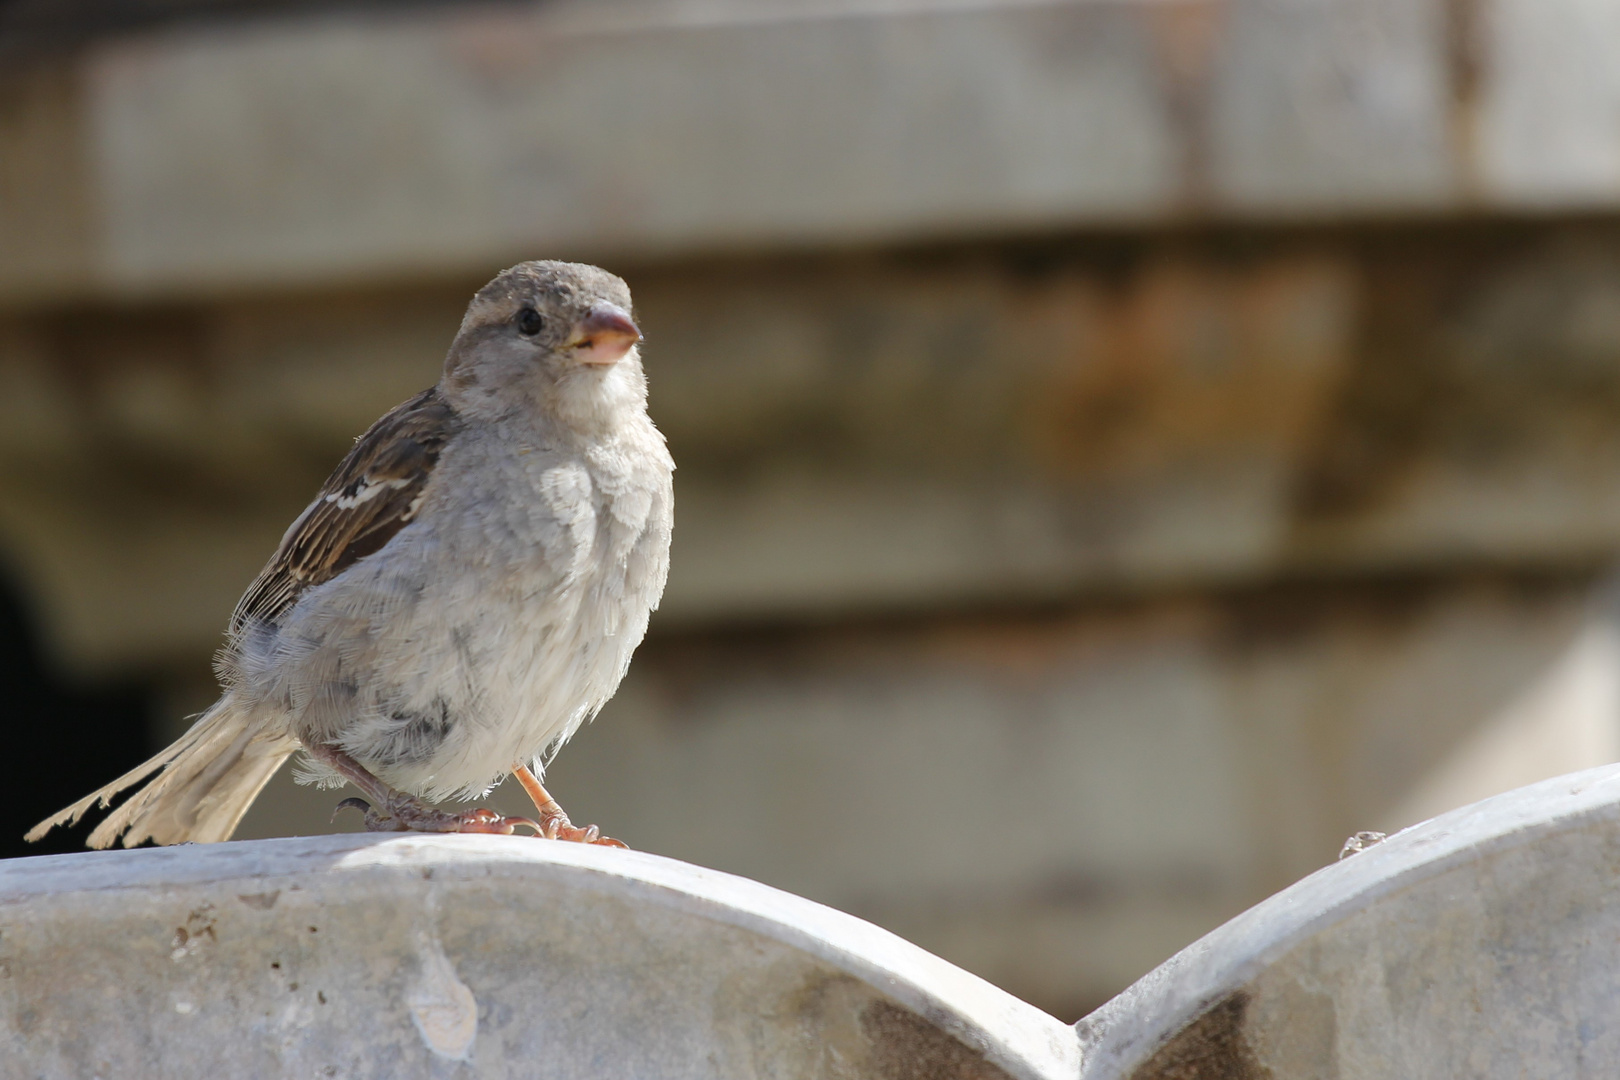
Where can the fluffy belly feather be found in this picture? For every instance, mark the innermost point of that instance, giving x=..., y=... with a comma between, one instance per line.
x=489, y=683
x=440, y=684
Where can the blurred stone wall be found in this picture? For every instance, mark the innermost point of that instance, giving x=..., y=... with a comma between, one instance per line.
x=1123, y=447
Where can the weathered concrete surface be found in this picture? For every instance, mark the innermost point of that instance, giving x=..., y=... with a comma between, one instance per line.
x=1482, y=943
x=360, y=957
x=381, y=144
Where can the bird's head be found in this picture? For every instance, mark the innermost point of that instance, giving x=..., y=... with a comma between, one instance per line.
x=550, y=336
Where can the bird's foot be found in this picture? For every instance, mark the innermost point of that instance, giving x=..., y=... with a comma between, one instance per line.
x=556, y=826
x=554, y=823
x=405, y=814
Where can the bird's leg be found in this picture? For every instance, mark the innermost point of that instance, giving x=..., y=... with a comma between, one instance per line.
x=395, y=811
x=554, y=823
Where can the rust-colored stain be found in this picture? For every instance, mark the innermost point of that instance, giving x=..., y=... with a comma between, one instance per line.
x=905, y=1046
x=1212, y=1047
x=846, y=1029
x=1191, y=357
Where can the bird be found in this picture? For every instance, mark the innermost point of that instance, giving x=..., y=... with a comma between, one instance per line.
x=461, y=596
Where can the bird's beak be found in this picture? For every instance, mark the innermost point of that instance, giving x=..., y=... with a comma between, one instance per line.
x=604, y=335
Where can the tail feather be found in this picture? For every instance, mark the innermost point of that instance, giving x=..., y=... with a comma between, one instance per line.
x=205, y=781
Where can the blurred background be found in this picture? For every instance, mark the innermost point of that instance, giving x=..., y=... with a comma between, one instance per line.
x=1125, y=446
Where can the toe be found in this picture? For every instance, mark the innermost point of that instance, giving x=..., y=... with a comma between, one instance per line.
x=513, y=822
x=483, y=821
x=488, y=821
x=588, y=835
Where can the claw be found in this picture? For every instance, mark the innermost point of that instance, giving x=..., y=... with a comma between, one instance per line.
x=352, y=803
x=409, y=817
x=375, y=822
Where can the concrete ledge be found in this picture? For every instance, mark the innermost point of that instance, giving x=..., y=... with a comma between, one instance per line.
x=276, y=152
x=1482, y=943
x=364, y=957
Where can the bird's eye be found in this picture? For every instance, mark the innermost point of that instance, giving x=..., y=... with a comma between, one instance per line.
x=529, y=322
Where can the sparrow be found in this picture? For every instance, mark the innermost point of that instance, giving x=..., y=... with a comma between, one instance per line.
x=463, y=594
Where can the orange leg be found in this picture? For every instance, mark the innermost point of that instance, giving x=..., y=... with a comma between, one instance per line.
x=554, y=823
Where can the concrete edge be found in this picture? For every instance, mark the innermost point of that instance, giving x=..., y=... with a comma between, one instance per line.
x=1125, y=1032
x=1012, y=1034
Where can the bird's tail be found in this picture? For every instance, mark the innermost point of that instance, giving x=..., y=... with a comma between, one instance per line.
x=208, y=779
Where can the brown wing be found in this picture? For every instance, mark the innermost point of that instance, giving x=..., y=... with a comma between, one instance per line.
x=372, y=495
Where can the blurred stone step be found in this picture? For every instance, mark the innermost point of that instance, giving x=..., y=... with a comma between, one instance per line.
x=382, y=142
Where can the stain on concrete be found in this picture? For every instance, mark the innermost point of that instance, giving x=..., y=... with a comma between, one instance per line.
x=906, y=1046
x=1293, y=1027
x=196, y=935
x=1212, y=1047
x=826, y=1025
x=1466, y=75
x=1379, y=426
x=443, y=1008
